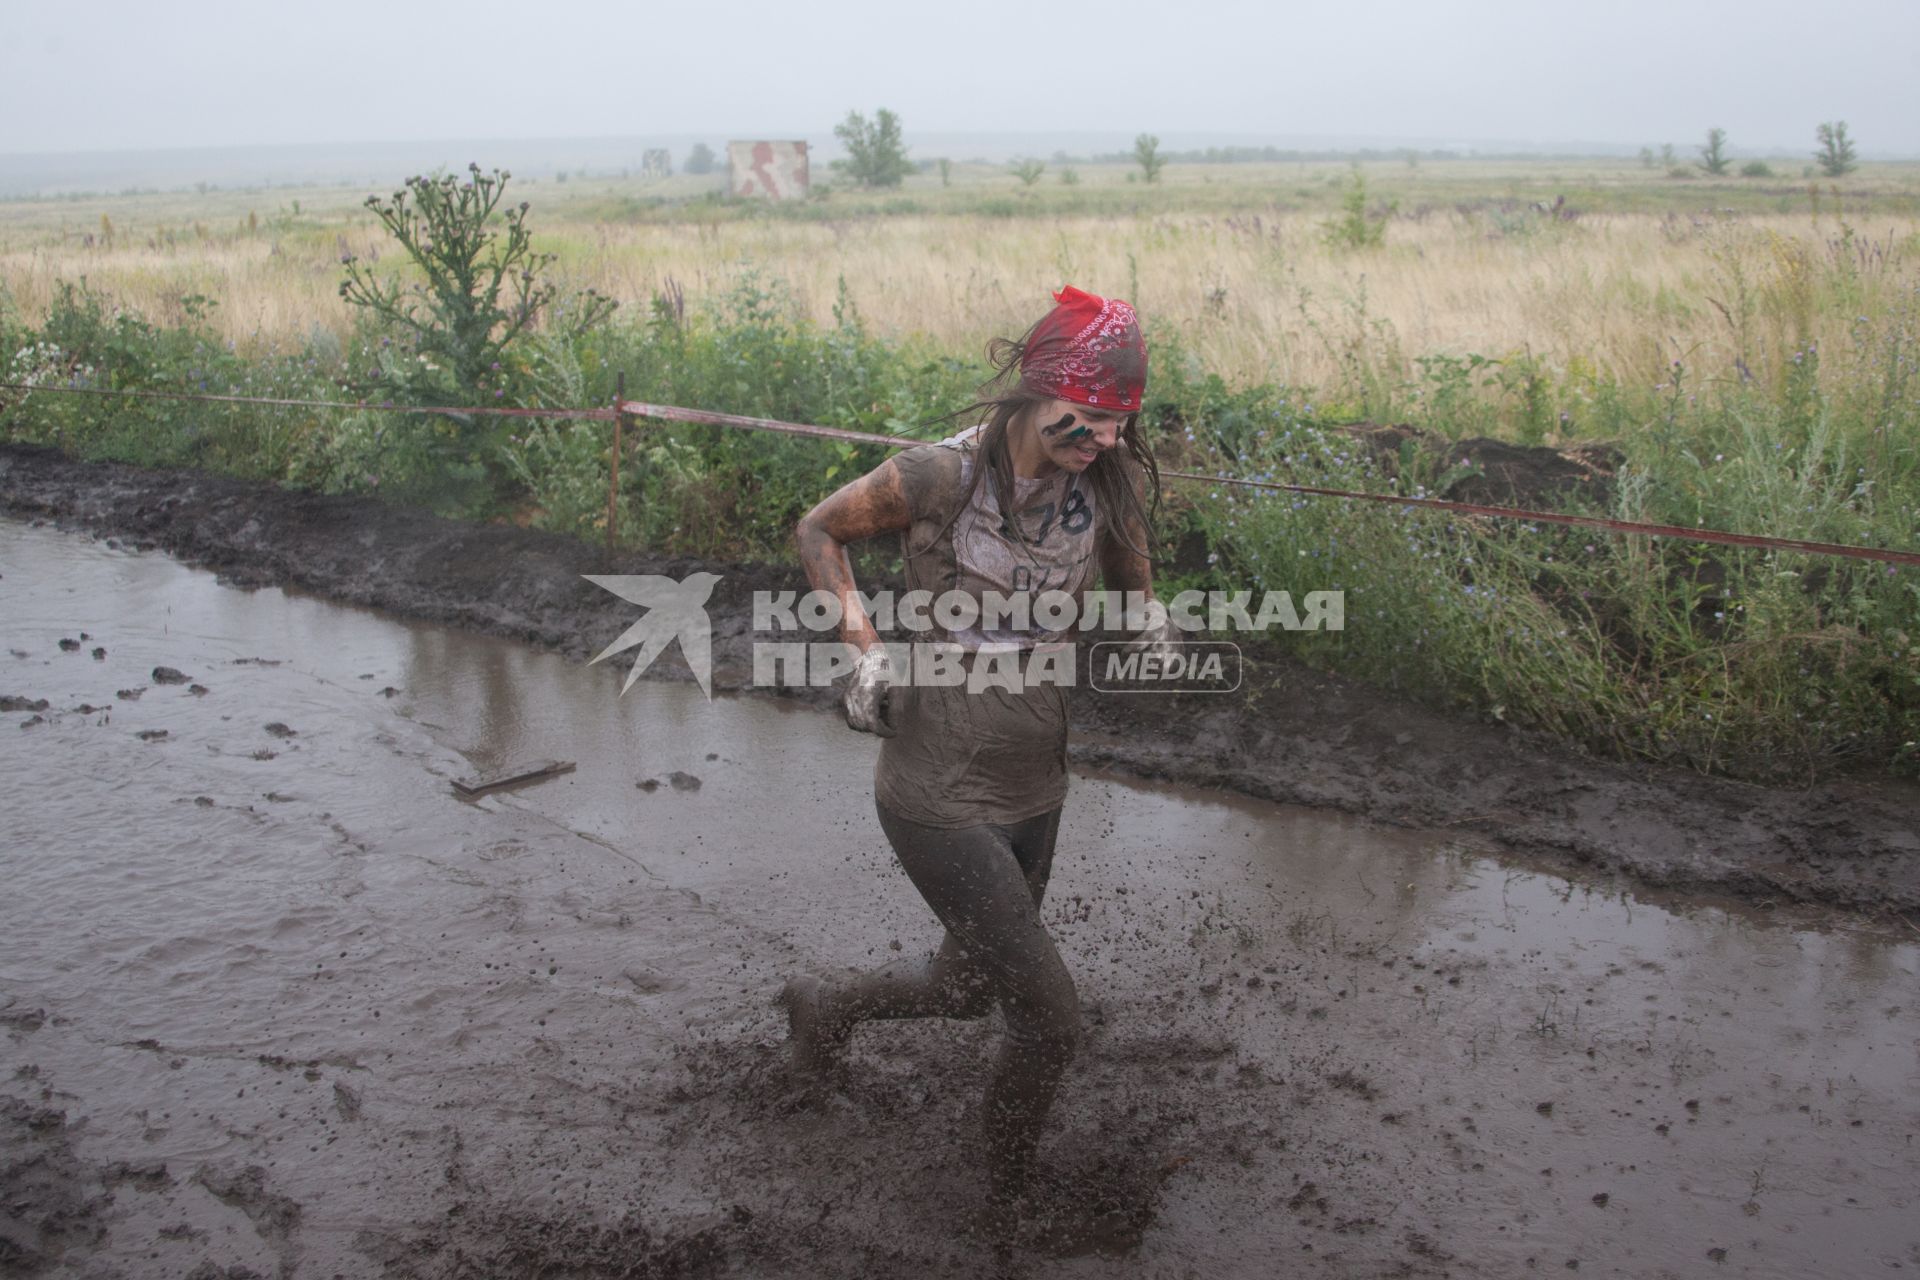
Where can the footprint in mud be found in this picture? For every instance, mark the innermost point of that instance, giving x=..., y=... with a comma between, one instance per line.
x=23, y=1020
x=168, y=675
x=276, y=1217
x=69, y=646
x=14, y=703
x=279, y=730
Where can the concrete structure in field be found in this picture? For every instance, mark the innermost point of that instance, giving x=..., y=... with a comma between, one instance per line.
x=773, y=170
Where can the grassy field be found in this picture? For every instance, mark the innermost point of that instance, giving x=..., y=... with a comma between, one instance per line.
x=1750, y=346
x=1632, y=270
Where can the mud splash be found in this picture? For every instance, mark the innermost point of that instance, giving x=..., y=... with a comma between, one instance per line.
x=282, y=1004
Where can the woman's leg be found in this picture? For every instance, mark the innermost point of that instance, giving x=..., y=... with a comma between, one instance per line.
x=985, y=885
x=950, y=983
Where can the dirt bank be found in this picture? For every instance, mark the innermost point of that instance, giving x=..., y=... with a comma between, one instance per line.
x=1293, y=735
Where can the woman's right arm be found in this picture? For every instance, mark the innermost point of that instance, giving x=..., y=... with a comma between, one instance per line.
x=873, y=504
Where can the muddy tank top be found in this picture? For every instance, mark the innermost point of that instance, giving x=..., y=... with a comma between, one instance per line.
x=959, y=758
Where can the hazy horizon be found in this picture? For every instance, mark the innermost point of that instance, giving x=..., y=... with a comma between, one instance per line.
x=374, y=164
x=1490, y=74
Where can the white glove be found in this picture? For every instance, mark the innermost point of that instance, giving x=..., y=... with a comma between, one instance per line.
x=1154, y=631
x=867, y=690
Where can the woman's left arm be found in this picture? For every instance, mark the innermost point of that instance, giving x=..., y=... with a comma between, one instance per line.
x=1124, y=566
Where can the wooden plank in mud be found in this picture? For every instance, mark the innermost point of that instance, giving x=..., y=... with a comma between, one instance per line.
x=535, y=771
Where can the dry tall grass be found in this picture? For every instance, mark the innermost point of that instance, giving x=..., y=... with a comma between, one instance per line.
x=1254, y=286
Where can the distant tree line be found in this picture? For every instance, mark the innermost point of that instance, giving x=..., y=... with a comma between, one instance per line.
x=1836, y=157
x=1273, y=155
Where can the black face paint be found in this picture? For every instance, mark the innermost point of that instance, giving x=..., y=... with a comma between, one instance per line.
x=1052, y=430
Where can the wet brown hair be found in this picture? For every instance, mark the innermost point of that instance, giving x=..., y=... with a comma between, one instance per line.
x=1118, y=476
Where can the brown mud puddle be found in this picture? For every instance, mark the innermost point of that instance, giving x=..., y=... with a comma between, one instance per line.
x=275, y=1001
x=1291, y=735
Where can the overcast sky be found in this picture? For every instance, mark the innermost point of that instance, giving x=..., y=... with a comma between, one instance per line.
x=135, y=74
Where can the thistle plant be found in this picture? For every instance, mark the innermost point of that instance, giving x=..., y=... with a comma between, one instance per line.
x=480, y=293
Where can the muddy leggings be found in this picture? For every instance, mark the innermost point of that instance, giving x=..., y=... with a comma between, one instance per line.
x=985, y=884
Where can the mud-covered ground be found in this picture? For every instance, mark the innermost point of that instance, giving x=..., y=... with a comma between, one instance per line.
x=276, y=1001
x=1292, y=735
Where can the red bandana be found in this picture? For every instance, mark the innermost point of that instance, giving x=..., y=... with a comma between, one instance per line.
x=1088, y=350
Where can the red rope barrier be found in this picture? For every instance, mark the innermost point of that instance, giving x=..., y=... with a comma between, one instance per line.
x=1587, y=522
x=675, y=413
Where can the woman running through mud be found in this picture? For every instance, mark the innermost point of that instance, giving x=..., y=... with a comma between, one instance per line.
x=969, y=785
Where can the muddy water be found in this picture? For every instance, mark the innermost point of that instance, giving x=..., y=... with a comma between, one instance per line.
x=278, y=999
